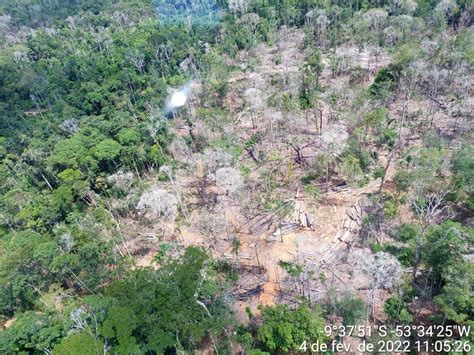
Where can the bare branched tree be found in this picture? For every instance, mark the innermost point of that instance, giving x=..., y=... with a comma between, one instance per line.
x=333, y=142
x=216, y=158
x=70, y=126
x=430, y=207
x=19, y=57
x=383, y=271
x=104, y=41
x=158, y=203
x=137, y=59
x=254, y=101
x=122, y=19
x=238, y=6
x=319, y=21
x=447, y=9
x=252, y=22
x=66, y=242
x=163, y=55
x=400, y=7
x=121, y=180
x=78, y=321
x=376, y=20
x=229, y=179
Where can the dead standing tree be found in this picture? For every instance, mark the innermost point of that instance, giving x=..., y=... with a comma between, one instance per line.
x=407, y=83
x=333, y=142
x=163, y=55
x=137, y=59
x=252, y=22
x=238, y=6
x=156, y=203
x=253, y=99
x=382, y=270
x=376, y=20
x=319, y=22
x=430, y=208
x=169, y=173
x=229, y=180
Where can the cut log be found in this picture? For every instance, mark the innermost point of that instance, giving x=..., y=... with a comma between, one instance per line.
x=351, y=215
x=285, y=229
x=341, y=187
x=249, y=293
x=242, y=255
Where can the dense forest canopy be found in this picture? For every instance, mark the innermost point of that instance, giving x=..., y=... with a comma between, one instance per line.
x=282, y=97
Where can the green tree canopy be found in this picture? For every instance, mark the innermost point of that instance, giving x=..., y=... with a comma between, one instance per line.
x=80, y=343
x=285, y=330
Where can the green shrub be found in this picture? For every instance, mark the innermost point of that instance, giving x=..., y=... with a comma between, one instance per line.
x=407, y=232
x=308, y=178
x=291, y=268
x=385, y=80
x=405, y=255
x=284, y=330
x=396, y=311
x=390, y=208
x=402, y=180
x=352, y=309
x=312, y=192
x=378, y=172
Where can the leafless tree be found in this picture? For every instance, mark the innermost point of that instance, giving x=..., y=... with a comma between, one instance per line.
x=158, y=203
x=66, y=242
x=163, y=54
x=4, y=23
x=407, y=82
x=402, y=7
x=188, y=65
x=430, y=207
x=104, y=40
x=391, y=35
x=121, y=180
x=254, y=101
x=376, y=20
x=447, y=9
x=216, y=158
x=319, y=22
x=70, y=126
x=251, y=21
x=180, y=150
x=78, y=321
x=238, y=6
x=137, y=59
x=19, y=57
x=229, y=179
x=382, y=269
x=71, y=22
x=165, y=169
x=204, y=169
x=212, y=224
x=122, y=19
x=333, y=141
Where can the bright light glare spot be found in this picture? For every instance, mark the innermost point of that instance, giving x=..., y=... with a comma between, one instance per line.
x=178, y=99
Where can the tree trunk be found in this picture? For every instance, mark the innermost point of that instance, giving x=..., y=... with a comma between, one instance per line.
x=390, y=157
x=327, y=176
x=47, y=182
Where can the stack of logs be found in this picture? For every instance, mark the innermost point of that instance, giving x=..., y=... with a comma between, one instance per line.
x=301, y=219
x=355, y=216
